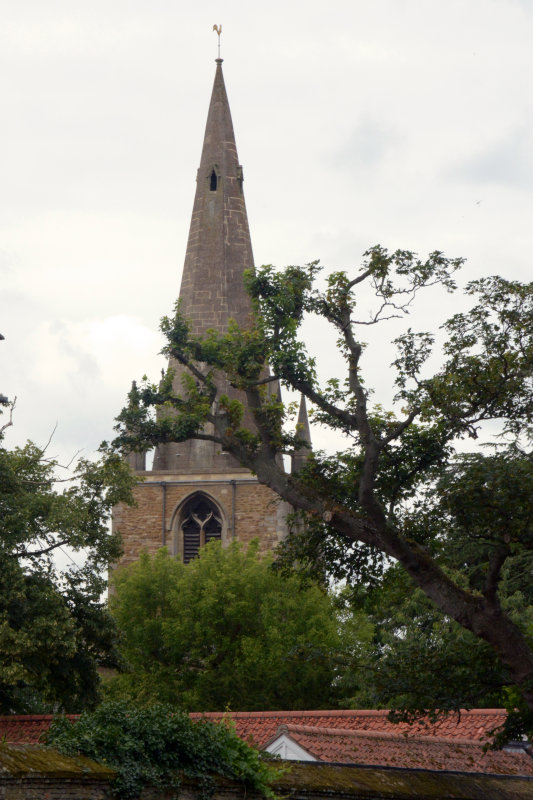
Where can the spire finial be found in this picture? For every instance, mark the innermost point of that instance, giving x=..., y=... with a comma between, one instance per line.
x=218, y=29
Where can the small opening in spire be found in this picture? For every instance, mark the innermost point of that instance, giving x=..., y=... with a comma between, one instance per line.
x=213, y=181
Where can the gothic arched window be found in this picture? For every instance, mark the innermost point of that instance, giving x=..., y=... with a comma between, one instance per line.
x=201, y=521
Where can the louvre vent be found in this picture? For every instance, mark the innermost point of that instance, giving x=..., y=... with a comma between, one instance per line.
x=202, y=522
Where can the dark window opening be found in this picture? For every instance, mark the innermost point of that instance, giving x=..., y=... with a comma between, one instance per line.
x=213, y=181
x=201, y=523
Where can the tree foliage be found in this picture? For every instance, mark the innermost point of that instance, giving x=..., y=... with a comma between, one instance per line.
x=383, y=497
x=417, y=659
x=477, y=503
x=225, y=631
x=156, y=747
x=54, y=629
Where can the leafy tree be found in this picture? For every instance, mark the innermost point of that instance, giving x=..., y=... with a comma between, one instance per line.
x=370, y=499
x=476, y=503
x=156, y=747
x=417, y=659
x=54, y=629
x=225, y=631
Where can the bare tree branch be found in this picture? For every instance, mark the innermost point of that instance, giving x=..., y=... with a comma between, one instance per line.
x=399, y=429
x=269, y=379
x=360, y=278
x=45, y=448
x=496, y=563
x=191, y=366
x=35, y=553
x=10, y=421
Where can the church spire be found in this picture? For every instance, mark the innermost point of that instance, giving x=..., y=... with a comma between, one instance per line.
x=219, y=247
x=303, y=434
x=195, y=491
x=219, y=250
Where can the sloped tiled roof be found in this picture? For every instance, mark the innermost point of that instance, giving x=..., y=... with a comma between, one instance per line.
x=260, y=726
x=25, y=728
x=454, y=742
x=384, y=749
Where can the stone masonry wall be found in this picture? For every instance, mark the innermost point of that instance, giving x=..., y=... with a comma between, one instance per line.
x=259, y=513
x=32, y=772
x=49, y=788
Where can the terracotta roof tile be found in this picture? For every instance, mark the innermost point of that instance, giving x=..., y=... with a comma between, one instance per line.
x=366, y=737
x=25, y=728
x=372, y=748
x=260, y=726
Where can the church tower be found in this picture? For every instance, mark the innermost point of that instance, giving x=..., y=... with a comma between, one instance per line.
x=195, y=492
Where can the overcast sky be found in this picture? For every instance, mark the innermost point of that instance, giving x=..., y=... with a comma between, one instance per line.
x=403, y=122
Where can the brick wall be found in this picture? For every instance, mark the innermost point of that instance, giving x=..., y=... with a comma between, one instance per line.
x=31, y=772
x=41, y=788
x=250, y=511
x=36, y=773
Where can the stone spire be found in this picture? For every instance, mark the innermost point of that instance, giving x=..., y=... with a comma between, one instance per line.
x=219, y=249
x=303, y=434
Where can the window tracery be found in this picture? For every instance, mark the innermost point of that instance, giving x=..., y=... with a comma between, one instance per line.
x=201, y=521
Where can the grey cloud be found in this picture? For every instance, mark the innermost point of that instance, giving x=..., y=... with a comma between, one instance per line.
x=8, y=262
x=367, y=147
x=507, y=162
x=87, y=368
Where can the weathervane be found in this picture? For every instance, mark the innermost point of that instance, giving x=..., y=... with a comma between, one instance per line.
x=218, y=29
